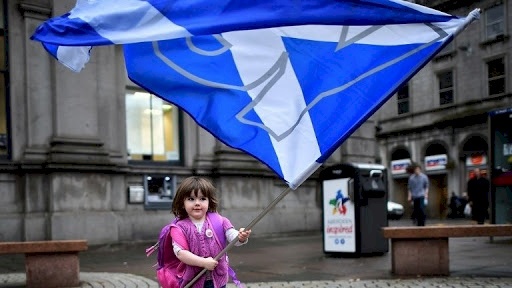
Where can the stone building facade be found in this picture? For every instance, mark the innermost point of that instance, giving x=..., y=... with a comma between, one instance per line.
x=92, y=156
x=440, y=118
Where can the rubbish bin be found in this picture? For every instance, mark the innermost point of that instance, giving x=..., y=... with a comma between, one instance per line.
x=354, y=197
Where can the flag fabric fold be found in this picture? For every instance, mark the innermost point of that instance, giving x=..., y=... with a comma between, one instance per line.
x=104, y=22
x=284, y=81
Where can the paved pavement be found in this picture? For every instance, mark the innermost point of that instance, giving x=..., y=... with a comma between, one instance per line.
x=104, y=280
x=293, y=261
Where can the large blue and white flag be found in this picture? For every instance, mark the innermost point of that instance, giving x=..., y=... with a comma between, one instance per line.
x=285, y=81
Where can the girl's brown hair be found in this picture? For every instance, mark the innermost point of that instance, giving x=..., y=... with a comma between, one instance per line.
x=189, y=186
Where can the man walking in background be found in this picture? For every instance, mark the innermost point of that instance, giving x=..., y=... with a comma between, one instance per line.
x=418, y=194
x=478, y=192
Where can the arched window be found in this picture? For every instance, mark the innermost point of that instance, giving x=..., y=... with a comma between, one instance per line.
x=400, y=162
x=475, y=145
x=435, y=149
x=400, y=153
x=436, y=157
x=474, y=151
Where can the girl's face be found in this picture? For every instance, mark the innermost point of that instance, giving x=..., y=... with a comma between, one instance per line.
x=196, y=205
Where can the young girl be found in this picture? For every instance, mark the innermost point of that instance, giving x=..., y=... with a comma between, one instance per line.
x=193, y=236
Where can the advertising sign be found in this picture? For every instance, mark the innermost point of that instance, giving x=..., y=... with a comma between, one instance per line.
x=339, y=217
x=436, y=162
x=476, y=160
x=400, y=166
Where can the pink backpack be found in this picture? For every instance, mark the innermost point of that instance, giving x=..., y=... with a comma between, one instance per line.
x=170, y=269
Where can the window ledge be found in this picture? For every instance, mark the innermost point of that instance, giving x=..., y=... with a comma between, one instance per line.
x=445, y=56
x=447, y=105
x=497, y=39
x=498, y=96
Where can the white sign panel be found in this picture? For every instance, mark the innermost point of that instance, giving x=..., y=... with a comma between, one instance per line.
x=400, y=166
x=507, y=149
x=436, y=162
x=339, y=217
x=476, y=160
x=136, y=194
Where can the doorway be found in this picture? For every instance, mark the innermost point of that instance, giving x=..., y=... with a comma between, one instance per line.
x=438, y=197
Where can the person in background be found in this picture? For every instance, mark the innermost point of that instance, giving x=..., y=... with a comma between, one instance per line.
x=418, y=194
x=463, y=201
x=478, y=193
x=454, y=206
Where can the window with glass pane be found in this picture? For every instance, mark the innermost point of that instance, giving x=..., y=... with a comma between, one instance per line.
x=152, y=128
x=403, y=99
x=445, y=88
x=494, y=21
x=4, y=78
x=496, y=76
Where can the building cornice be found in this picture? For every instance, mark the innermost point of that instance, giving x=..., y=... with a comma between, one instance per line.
x=462, y=115
x=29, y=10
x=464, y=105
x=461, y=119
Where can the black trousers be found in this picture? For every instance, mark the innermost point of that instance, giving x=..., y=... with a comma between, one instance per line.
x=479, y=213
x=418, y=212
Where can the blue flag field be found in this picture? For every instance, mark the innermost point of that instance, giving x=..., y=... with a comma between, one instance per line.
x=284, y=81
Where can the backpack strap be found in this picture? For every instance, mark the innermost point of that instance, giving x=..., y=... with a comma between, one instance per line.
x=163, y=239
x=153, y=248
x=216, y=222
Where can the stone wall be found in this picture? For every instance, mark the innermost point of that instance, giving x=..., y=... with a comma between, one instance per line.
x=68, y=174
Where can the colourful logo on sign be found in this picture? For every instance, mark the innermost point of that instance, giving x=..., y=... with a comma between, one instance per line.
x=436, y=162
x=339, y=203
x=400, y=166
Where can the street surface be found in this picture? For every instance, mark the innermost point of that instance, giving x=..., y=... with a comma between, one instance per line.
x=294, y=261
